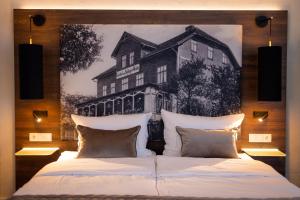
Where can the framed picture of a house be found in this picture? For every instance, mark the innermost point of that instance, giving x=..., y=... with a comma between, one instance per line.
x=124, y=69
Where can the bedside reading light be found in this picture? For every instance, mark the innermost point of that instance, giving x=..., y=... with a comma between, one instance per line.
x=39, y=115
x=260, y=115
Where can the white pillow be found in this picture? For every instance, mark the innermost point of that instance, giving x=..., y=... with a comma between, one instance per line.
x=115, y=122
x=67, y=155
x=171, y=120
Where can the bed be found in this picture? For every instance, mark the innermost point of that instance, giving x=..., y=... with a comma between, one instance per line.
x=200, y=161
x=157, y=177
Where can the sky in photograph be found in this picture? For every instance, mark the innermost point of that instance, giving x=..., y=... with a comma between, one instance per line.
x=82, y=83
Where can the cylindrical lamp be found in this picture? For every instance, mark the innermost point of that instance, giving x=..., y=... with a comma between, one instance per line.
x=269, y=66
x=31, y=71
x=269, y=73
x=31, y=65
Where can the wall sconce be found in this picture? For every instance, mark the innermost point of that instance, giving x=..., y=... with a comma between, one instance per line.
x=260, y=115
x=39, y=115
x=269, y=66
x=31, y=65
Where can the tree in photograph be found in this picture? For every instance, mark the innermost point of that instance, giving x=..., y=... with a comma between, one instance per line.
x=206, y=90
x=80, y=47
x=68, y=107
x=189, y=85
x=225, y=85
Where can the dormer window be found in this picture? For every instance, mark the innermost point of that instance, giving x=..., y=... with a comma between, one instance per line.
x=131, y=58
x=193, y=46
x=124, y=61
x=210, y=52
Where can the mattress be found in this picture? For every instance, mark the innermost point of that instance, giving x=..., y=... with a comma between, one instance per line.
x=159, y=177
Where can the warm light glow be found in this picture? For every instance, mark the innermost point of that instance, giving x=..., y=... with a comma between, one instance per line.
x=36, y=151
x=38, y=120
x=40, y=148
x=152, y=4
x=270, y=43
x=260, y=149
x=260, y=119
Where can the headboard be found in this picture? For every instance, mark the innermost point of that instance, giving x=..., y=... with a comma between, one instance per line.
x=49, y=36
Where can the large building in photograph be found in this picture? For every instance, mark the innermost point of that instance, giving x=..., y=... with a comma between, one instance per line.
x=136, y=83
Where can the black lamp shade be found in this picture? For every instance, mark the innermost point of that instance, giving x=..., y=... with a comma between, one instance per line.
x=269, y=73
x=31, y=71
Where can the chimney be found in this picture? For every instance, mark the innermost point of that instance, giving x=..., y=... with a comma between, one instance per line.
x=190, y=28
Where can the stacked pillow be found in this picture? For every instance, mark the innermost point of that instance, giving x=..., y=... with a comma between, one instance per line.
x=117, y=122
x=172, y=138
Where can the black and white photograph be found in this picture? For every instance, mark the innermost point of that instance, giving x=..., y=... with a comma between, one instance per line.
x=123, y=69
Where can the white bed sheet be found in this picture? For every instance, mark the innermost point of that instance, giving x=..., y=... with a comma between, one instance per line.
x=161, y=175
x=110, y=176
x=216, y=177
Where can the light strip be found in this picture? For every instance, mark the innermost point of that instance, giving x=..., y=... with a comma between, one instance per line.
x=40, y=148
x=150, y=5
x=260, y=149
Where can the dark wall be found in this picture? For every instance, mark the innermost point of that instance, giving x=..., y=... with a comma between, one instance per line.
x=48, y=36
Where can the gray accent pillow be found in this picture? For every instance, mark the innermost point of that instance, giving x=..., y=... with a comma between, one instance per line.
x=97, y=143
x=207, y=143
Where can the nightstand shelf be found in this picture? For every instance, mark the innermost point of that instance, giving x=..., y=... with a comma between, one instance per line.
x=30, y=160
x=273, y=157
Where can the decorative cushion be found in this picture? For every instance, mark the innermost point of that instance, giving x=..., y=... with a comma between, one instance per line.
x=97, y=143
x=207, y=144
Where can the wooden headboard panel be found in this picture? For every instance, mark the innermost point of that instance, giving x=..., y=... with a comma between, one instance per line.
x=48, y=36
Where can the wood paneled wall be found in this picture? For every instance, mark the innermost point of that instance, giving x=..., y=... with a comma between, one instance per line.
x=48, y=36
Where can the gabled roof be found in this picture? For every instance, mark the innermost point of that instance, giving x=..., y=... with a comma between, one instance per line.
x=190, y=32
x=106, y=73
x=126, y=35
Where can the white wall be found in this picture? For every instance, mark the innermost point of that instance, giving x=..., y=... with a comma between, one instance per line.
x=293, y=71
x=6, y=100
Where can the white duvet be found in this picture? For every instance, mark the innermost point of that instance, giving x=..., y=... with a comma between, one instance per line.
x=109, y=176
x=216, y=177
x=161, y=175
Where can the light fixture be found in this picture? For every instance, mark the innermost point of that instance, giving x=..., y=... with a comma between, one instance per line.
x=269, y=66
x=260, y=115
x=31, y=64
x=39, y=115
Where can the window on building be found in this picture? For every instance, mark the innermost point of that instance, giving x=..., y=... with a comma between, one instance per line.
x=131, y=58
x=193, y=46
x=162, y=74
x=124, y=61
x=224, y=59
x=104, y=90
x=139, y=79
x=144, y=53
x=112, y=88
x=210, y=52
x=124, y=84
